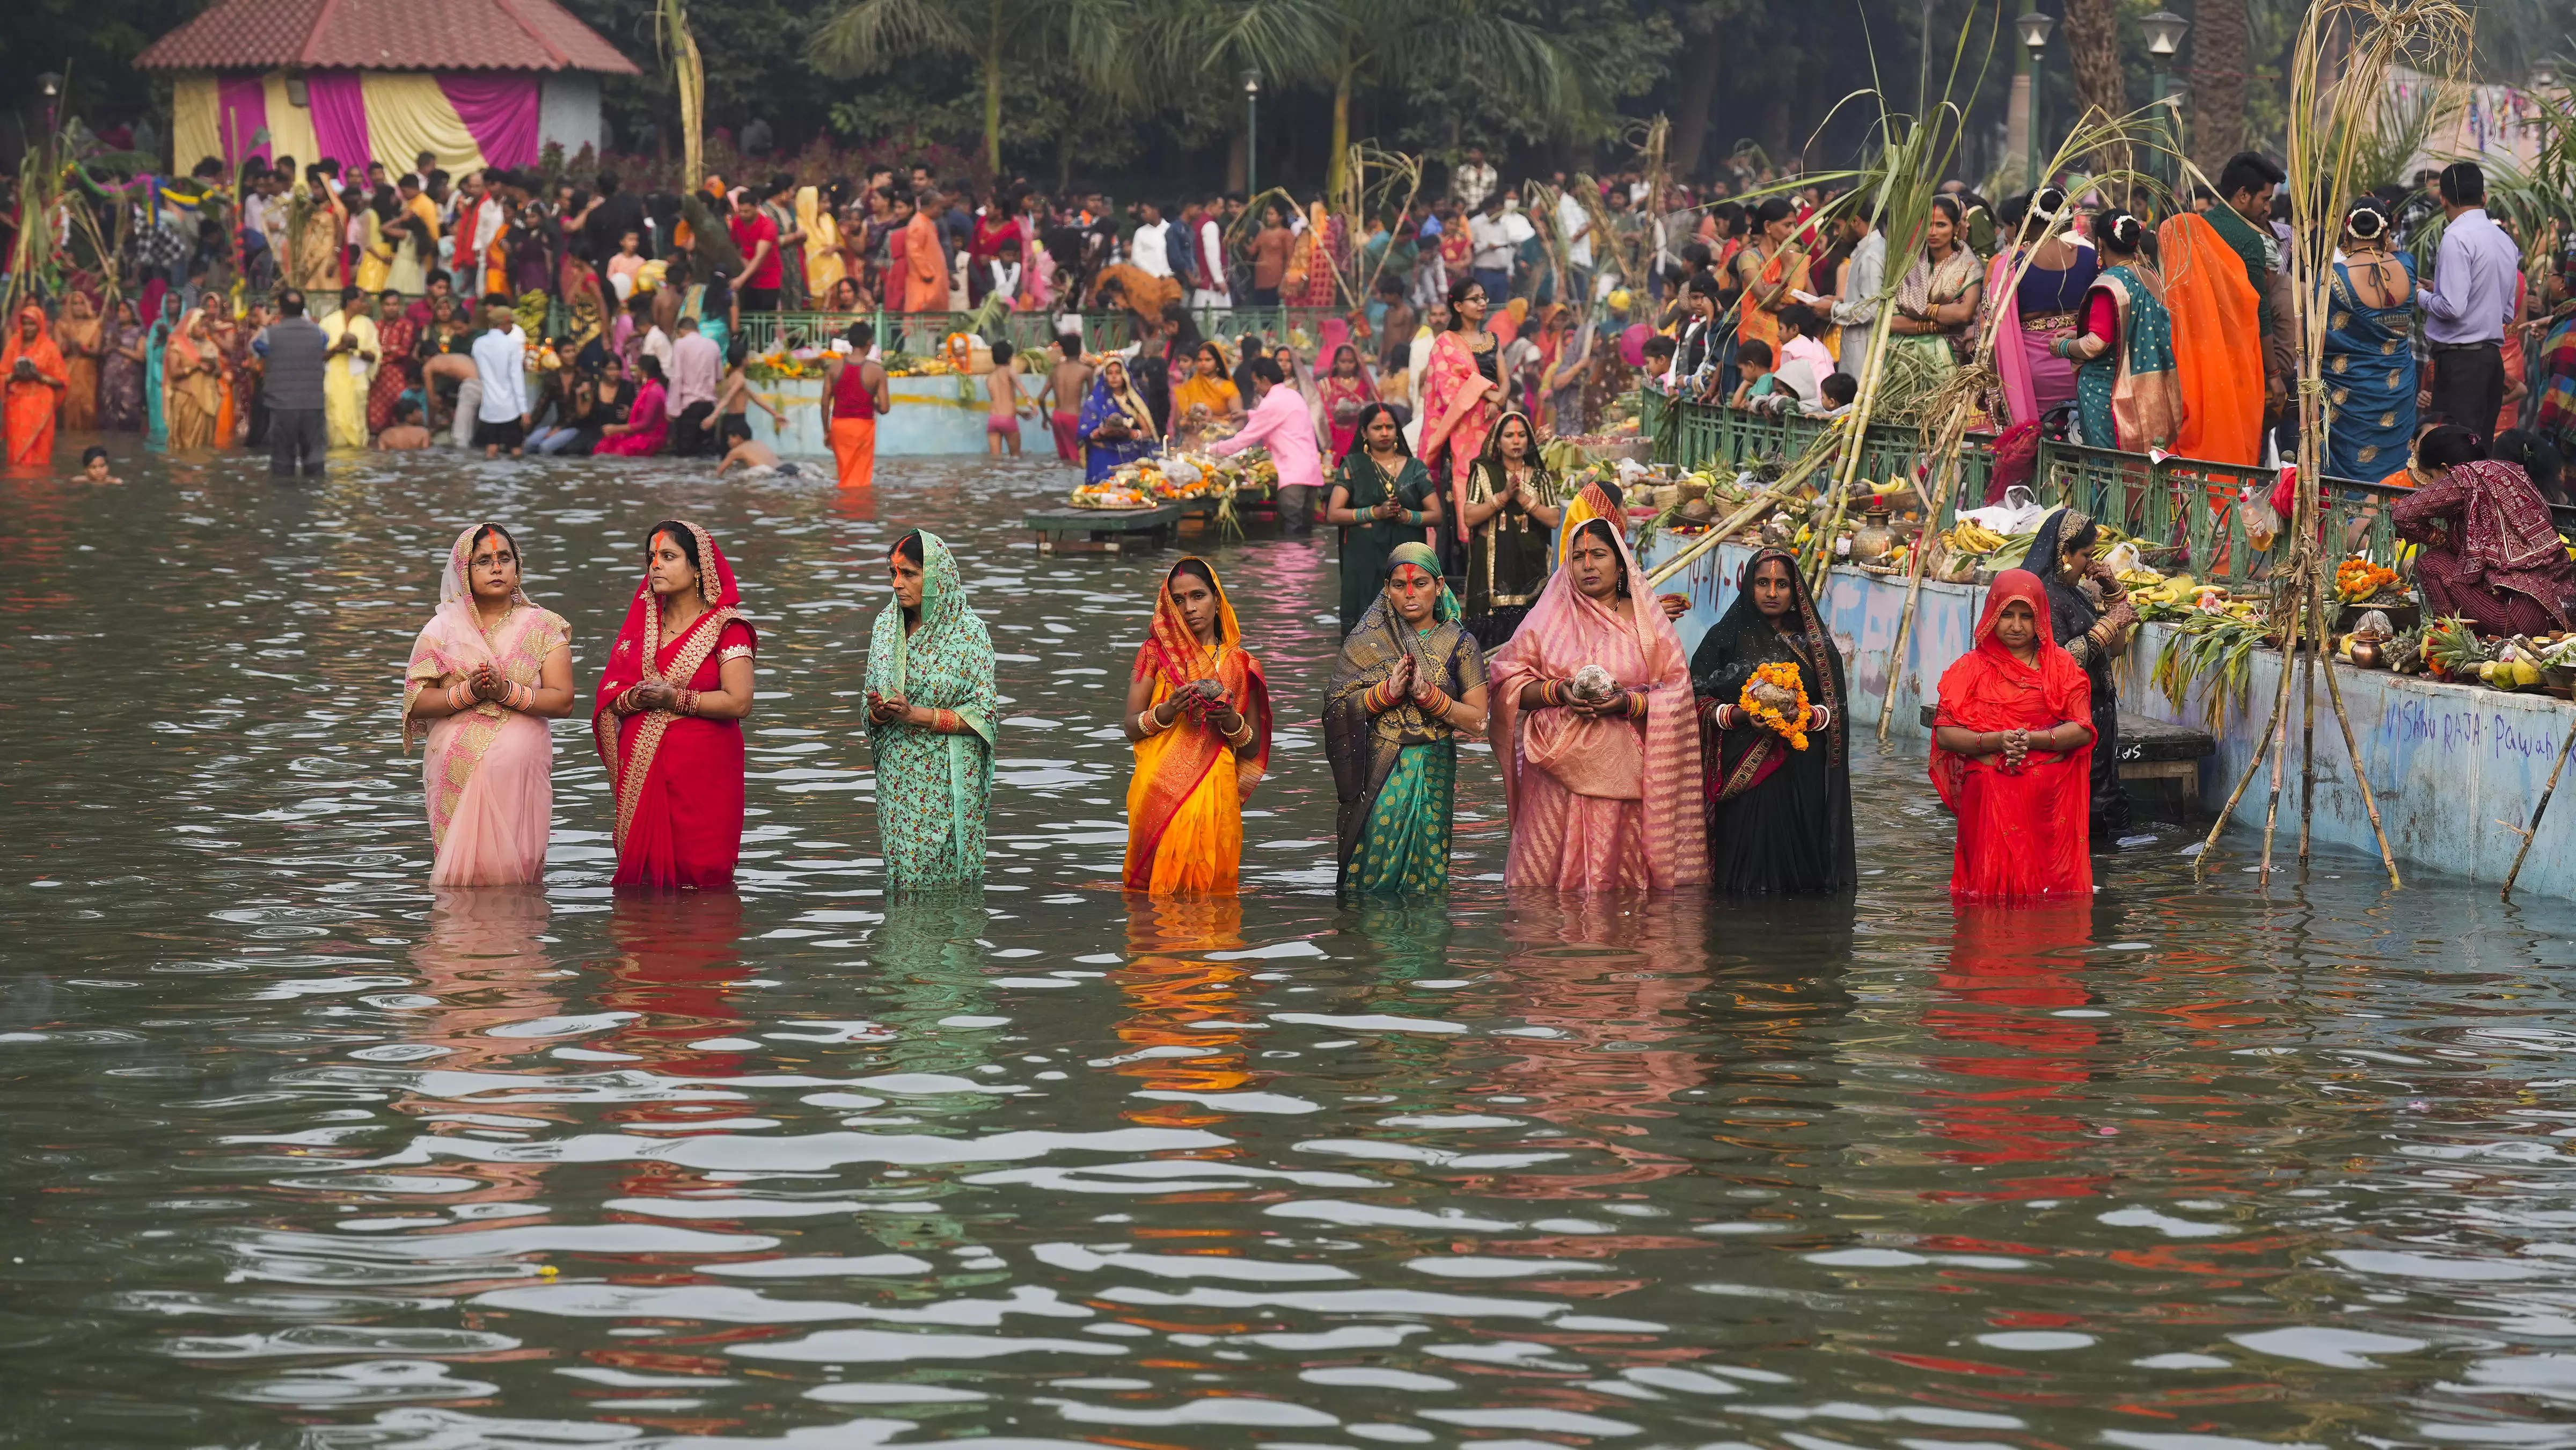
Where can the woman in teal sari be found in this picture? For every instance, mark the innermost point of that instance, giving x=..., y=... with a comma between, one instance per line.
x=1410, y=679
x=2369, y=357
x=155, y=405
x=931, y=713
x=2127, y=394
x=1381, y=496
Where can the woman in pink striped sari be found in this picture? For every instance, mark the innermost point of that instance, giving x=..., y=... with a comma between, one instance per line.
x=1604, y=793
x=486, y=674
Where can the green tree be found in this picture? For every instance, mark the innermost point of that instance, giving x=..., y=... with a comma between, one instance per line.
x=1348, y=46
x=1013, y=41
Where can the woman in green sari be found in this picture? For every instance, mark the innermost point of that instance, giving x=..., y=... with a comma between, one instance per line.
x=1382, y=496
x=931, y=711
x=1410, y=679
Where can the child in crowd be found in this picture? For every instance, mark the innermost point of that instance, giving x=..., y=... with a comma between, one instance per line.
x=1660, y=351
x=1803, y=363
x=94, y=466
x=734, y=397
x=406, y=433
x=1068, y=383
x=1753, y=364
x=755, y=459
x=1838, y=392
x=1002, y=384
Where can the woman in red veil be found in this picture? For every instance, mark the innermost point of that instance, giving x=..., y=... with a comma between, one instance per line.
x=668, y=719
x=2012, y=753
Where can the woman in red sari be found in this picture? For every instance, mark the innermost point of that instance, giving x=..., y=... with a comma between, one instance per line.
x=2012, y=754
x=31, y=373
x=668, y=720
x=398, y=343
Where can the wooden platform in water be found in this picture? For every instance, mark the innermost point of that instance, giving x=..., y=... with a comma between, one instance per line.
x=1108, y=531
x=2153, y=750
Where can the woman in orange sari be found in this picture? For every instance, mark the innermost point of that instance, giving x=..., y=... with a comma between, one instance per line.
x=1198, y=710
x=2012, y=754
x=31, y=372
x=668, y=717
x=78, y=334
x=1602, y=777
x=193, y=371
x=486, y=674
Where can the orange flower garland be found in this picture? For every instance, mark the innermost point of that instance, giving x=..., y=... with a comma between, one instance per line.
x=1784, y=677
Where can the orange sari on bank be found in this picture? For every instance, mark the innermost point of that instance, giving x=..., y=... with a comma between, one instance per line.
x=1185, y=806
x=2217, y=343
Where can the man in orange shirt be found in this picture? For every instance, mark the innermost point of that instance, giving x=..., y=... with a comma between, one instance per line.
x=925, y=259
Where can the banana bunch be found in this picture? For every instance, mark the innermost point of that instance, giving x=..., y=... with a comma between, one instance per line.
x=2146, y=587
x=1971, y=537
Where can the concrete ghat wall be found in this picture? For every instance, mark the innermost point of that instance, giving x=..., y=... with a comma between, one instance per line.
x=2447, y=762
x=928, y=417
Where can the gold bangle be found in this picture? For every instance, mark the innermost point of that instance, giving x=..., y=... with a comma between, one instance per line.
x=1147, y=725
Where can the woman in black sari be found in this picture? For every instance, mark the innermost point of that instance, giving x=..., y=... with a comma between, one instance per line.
x=2088, y=612
x=1779, y=817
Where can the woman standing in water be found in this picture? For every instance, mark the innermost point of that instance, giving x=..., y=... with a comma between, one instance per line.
x=931, y=710
x=486, y=674
x=2088, y=615
x=1779, y=804
x=1461, y=390
x=1381, y=496
x=1511, y=508
x=668, y=717
x=1410, y=680
x=1603, y=786
x=1198, y=711
x=2012, y=749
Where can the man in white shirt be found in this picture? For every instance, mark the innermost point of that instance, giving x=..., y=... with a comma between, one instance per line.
x=1574, y=225
x=1150, y=249
x=501, y=366
x=1856, y=311
x=1210, y=241
x=1473, y=181
x=1490, y=248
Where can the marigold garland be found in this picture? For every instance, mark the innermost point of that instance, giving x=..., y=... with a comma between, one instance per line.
x=1785, y=677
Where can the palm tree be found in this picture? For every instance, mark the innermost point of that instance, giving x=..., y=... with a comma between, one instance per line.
x=2093, y=48
x=1023, y=39
x=2220, y=46
x=1346, y=45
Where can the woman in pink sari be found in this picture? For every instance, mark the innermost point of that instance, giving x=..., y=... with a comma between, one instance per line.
x=668, y=717
x=487, y=673
x=1462, y=394
x=1603, y=789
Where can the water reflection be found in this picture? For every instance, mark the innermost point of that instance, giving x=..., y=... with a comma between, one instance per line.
x=304, y=1154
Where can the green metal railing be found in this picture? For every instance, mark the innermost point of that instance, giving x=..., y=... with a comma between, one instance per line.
x=1695, y=435
x=2189, y=509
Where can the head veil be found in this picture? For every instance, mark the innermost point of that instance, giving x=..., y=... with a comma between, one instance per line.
x=1722, y=663
x=1989, y=689
x=40, y=350
x=1566, y=630
x=1172, y=652
x=641, y=654
x=946, y=664
x=453, y=642
x=1362, y=746
x=2070, y=611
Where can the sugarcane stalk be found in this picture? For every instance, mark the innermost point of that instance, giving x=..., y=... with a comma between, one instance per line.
x=2538, y=810
x=2280, y=745
x=1946, y=482
x=2308, y=731
x=1858, y=422
x=2280, y=702
x=2361, y=777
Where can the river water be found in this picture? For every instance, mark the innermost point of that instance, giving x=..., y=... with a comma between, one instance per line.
x=298, y=1154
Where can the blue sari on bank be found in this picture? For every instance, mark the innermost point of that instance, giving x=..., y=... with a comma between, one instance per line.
x=1099, y=459
x=2370, y=378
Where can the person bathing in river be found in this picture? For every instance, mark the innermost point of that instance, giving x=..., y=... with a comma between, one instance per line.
x=931, y=717
x=2090, y=616
x=94, y=466
x=1198, y=711
x=1776, y=786
x=486, y=674
x=2012, y=754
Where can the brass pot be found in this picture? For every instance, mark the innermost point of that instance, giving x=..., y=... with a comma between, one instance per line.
x=2367, y=654
x=1871, y=541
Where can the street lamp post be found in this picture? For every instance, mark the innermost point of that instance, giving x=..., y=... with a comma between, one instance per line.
x=52, y=86
x=1251, y=134
x=2165, y=31
x=2034, y=28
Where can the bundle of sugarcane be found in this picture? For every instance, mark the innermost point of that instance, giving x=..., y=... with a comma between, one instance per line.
x=2339, y=76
